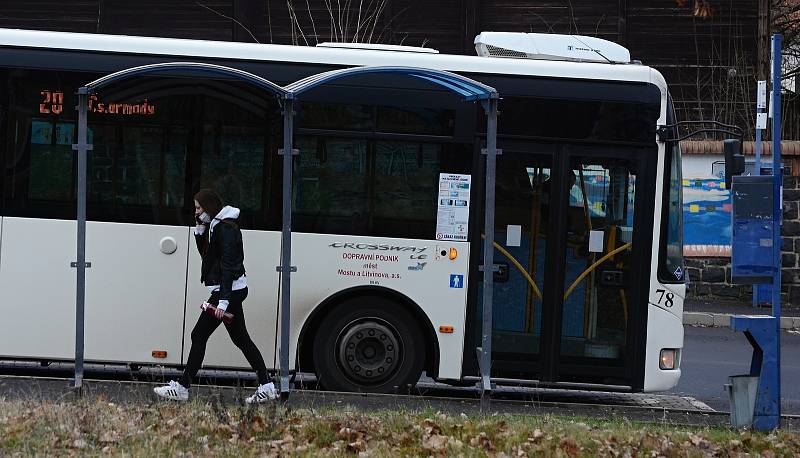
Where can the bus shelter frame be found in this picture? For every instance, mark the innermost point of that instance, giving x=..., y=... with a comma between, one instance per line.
x=466, y=88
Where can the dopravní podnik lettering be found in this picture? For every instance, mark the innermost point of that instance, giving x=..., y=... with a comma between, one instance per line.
x=370, y=257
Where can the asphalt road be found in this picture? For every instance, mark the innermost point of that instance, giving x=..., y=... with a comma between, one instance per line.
x=712, y=354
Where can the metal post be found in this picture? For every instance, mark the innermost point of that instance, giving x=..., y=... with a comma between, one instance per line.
x=286, y=268
x=80, y=263
x=777, y=202
x=761, y=104
x=488, y=268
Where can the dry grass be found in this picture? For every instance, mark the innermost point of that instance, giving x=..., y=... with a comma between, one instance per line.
x=99, y=427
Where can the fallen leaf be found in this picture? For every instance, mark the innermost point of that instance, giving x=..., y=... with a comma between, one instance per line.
x=434, y=443
x=536, y=435
x=651, y=442
x=347, y=433
x=570, y=447
x=482, y=441
x=357, y=446
x=431, y=427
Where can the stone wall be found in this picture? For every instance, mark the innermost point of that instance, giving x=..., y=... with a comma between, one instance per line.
x=711, y=277
x=790, y=248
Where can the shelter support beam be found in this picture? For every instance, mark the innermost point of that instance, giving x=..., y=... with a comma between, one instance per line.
x=488, y=267
x=80, y=264
x=286, y=267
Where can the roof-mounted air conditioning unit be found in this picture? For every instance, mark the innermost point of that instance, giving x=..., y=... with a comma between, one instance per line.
x=546, y=46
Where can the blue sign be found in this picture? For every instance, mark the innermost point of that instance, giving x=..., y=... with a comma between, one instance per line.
x=456, y=281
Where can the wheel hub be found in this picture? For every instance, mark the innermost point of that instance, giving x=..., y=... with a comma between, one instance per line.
x=369, y=351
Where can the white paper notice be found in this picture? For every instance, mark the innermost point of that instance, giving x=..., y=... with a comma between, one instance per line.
x=761, y=121
x=453, y=216
x=513, y=235
x=595, y=241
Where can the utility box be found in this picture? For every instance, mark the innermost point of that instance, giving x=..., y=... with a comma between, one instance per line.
x=752, y=225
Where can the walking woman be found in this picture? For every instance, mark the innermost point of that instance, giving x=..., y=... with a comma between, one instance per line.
x=219, y=241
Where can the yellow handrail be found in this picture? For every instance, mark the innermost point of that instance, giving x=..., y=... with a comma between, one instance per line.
x=518, y=266
x=592, y=267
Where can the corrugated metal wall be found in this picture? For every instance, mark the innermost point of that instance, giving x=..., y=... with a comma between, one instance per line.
x=709, y=63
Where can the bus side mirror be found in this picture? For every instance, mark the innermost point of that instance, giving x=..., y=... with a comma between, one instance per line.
x=734, y=160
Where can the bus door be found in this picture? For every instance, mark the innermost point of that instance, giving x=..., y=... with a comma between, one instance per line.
x=602, y=275
x=564, y=298
x=522, y=207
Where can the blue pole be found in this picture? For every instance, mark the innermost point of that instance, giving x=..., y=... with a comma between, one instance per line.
x=777, y=214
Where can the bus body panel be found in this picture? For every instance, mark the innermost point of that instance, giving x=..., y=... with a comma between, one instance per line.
x=39, y=290
x=261, y=256
x=664, y=330
x=134, y=292
x=327, y=264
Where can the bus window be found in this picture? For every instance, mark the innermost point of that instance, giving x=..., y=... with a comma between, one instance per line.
x=405, y=186
x=317, y=115
x=139, y=166
x=415, y=120
x=672, y=250
x=232, y=164
x=330, y=185
x=174, y=177
x=51, y=161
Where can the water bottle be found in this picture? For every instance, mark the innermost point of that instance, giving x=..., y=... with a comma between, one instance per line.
x=227, y=318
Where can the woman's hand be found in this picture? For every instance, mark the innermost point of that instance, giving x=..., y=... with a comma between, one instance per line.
x=219, y=313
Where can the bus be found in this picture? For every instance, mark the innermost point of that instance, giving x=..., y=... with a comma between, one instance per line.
x=387, y=211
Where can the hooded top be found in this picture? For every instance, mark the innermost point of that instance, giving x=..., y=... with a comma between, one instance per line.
x=223, y=253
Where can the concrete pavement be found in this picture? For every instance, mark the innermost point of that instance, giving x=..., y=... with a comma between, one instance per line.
x=717, y=313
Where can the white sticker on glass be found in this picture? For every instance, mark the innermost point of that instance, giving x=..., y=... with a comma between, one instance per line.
x=513, y=235
x=595, y=241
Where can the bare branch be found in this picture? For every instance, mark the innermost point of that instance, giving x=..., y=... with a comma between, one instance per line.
x=230, y=18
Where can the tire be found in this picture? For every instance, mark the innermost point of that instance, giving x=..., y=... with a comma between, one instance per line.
x=369, y=344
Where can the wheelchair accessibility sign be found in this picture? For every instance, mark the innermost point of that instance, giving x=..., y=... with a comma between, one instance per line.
x=456, y=281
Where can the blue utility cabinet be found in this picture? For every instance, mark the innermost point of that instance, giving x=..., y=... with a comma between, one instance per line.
x=752, y=224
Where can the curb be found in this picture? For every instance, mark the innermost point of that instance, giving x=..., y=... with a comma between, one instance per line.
x=723, y=320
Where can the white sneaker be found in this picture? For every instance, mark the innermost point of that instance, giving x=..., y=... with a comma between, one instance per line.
x=174, y=391
x=265, y=392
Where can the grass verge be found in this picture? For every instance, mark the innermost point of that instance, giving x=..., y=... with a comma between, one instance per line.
x=98, y=427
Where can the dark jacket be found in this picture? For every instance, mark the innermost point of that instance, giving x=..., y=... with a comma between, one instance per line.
x=223, y=255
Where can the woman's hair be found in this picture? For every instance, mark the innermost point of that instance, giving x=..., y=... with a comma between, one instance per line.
x=210, y=201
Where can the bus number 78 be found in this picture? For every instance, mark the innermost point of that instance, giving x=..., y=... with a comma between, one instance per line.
x=669, y=297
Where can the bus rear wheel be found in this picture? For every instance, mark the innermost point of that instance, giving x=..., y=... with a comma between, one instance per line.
x=369, y=345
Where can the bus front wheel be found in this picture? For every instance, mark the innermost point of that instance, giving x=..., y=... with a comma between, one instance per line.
x=369, y=345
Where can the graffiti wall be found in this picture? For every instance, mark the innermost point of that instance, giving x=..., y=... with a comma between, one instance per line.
x=706, y=217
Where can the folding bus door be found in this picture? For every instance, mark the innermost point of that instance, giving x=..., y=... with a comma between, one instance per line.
x=600, y=308
x=522, y=214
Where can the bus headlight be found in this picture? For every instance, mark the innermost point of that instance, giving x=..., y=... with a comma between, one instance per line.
x=667, y=360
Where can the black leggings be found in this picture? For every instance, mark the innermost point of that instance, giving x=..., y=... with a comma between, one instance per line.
x=207, y=324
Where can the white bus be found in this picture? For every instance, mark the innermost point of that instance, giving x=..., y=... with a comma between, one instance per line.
x=387, y=212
